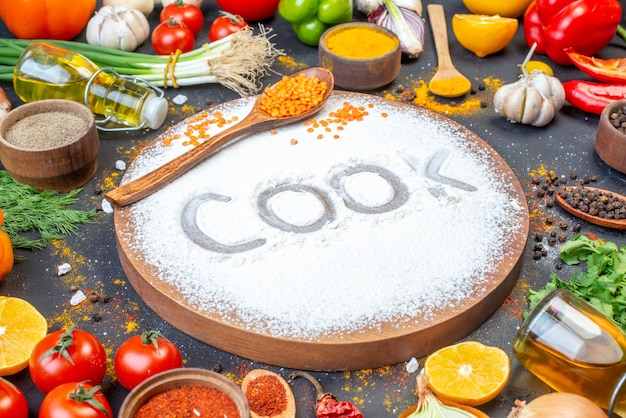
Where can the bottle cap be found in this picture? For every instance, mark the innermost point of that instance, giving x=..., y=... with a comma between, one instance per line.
x=154, y=111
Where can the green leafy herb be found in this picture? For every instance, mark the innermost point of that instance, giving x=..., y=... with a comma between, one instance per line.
x=603, y=284
x=44, y=213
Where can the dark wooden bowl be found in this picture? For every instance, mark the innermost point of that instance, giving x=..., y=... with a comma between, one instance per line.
x=360, y=74
x=180, y=377
x=61, y=168
x=610, y=143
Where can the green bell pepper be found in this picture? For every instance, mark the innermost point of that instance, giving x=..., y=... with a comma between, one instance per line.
x=310, y=18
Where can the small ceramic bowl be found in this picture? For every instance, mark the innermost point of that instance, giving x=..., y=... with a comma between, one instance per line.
x=50, y=144
x=175, y=378
x=609, y=142
x=360, y=70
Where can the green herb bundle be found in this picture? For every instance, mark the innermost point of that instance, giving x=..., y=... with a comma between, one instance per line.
x=33, y=218
x=603, y=284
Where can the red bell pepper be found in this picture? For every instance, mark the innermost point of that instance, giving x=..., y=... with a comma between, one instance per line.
x=585, y=25
x=592, y=97
x=608, y=71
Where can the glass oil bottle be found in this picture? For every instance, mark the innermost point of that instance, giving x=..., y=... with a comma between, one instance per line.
x=46, y=71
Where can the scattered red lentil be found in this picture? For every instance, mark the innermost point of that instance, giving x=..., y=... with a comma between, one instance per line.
x=189, y=401
x=266, y=396
x=293, y=95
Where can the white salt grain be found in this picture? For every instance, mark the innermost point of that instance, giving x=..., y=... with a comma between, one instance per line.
x=77, y=298
x=107, y=207
x=412, y=365
x=120, y=165
x=359, y=270
x=179, y=99
x=63, y=269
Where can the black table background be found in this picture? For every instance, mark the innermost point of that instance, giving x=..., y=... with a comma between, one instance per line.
x=565, y=146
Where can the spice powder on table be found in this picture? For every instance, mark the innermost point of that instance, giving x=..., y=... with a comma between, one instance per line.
x=189, y=401
x=266, y=396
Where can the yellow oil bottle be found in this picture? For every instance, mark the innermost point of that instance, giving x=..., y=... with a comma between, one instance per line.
x=46, y=71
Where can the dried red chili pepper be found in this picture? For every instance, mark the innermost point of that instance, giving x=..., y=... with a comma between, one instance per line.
x=327, y=404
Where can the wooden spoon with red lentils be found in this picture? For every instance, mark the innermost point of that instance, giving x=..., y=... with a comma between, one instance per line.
x=268, y=395
x=596, y=206
x=293, y=98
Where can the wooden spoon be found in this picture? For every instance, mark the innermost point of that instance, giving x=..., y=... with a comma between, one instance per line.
x=447, y=81
x=290, y=408
x=257, y=120
x=609, y=223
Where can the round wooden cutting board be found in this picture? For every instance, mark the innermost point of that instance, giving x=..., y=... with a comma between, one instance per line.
x=383, y=139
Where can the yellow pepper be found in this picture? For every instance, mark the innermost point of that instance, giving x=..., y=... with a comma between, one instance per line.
x=6, y=251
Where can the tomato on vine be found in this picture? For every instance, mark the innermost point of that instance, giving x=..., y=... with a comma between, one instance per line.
x=141, y=356
x=71, y=355
x=71, y=400
x=12, y=400
x=171, y=35
x=226, y=24
x=186, y=13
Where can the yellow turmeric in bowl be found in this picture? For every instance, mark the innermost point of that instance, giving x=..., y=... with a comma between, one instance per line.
x=361, y=43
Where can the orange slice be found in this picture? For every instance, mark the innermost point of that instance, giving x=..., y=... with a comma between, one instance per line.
x=468, y=373
x=482, y=34
x=21, y=328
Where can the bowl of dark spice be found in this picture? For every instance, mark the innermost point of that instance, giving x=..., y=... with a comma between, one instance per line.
x=610, y=140
x=186, y=392
x=50, y=144
x=361, y=55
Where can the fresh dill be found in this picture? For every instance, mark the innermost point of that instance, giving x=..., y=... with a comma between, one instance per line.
x=33, y=218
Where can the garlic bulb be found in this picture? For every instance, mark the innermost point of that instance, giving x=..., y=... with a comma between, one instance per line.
x=120, y=27
x=523, y=103
x=532, y=100
x=144, y=6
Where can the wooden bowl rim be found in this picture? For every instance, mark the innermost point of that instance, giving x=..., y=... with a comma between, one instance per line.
x=350, y=25
x=47, y=105
x=178, y=377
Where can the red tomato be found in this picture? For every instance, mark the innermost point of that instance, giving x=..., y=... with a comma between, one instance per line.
x=250, y=10
x=71, y=355
x=186, y=13
x=224, y=25
x=71, y=400
x=171, y=35
x=141, y=356
x=12, y=401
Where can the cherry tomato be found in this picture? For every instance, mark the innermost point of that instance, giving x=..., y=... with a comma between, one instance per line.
x=71, y=355
x=71, y=400
x=171, y=35
x=250, y=10
x=224, y=25
x=12, y=401
x=141, y=356
x=186, y=13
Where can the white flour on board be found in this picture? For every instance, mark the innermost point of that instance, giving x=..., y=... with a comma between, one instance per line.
x=355, y=270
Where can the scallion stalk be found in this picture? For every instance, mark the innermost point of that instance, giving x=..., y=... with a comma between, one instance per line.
x=237, y=61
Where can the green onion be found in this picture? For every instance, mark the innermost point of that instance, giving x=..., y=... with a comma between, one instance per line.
x=236, y=61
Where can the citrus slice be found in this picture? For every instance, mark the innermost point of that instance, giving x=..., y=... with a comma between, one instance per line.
x=508, y=8
x=468, y=373
x=21, y=328
x=539, y=66
x=482, y=34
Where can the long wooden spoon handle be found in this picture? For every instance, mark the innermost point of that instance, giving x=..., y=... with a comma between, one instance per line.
x=149, y=183
x=440, y=32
